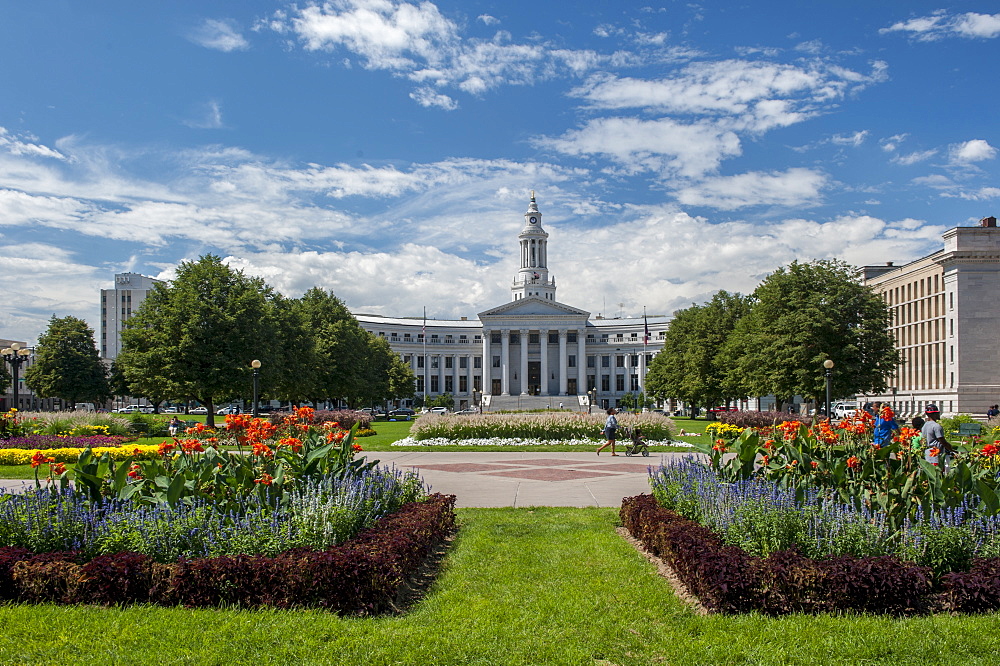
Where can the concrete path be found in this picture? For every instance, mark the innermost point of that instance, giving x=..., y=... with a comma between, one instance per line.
x=520, y=479
x=515, y=478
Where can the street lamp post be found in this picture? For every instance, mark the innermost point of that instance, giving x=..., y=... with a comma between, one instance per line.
x=828, y=364
x=255, y=364
x=15, y=357
x=593, y=398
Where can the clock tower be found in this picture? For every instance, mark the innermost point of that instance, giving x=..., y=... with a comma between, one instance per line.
x=532, y=280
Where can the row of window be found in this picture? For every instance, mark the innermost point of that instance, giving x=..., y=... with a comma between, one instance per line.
x=914, y=290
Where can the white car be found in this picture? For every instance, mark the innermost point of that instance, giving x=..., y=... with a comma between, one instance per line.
x=843, y=410
x=438, y=410
x=198, y=410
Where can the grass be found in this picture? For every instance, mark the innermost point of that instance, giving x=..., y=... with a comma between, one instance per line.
x=519, y=586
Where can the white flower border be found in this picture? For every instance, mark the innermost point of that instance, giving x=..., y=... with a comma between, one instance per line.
x=502, y=441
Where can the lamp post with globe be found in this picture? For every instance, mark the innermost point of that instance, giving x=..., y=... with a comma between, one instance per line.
x=828, y=365
x=255, y=364
x=15, y=356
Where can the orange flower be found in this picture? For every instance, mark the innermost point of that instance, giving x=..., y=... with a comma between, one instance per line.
x=853, y=462
x=934, y=452
x=814, y=464
x=792, y=464
x=57, y=468
x=336, y=436
x=294, y=443
x=764, y=460
x=356, y=447
x=305, y=413
x=720, y=445
x=165, y=447
x=192, y=446
x=40, y=459
x=135, y=471
x=886, y=413
x=769, y=445
x=265, y=479
x=991, y=449
x=261, y=449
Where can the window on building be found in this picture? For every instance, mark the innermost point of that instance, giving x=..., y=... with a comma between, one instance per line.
x=495, y=337
x=605, y=361
x=591, y=361
x=435, y=362
x=571, y=336
x=605, y=383
x=420, y=384
x=571, y=361
x=496, y=361
x=591, y=382
x=477, y=383
x=463, y=362
x=553, y=338
x=449, y=384
x=420, y=361
x=406, y=336
x=434, y=337
x=463, y=384
x=619, y=361
x=635, y=360
x=435, y=384
x=619, y=383
x=533, y=338
x=477, y=362
x=635, y=383
x=448, y=362
x=515, y=338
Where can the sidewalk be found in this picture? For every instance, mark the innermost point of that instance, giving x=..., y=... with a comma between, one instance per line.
x=514, y=478
x=520, y=479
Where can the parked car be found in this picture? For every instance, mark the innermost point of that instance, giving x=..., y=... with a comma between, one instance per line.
x=720, y=410
x=170, y=410
x=843, y=410
x=402, y=411
x=468, y=410
x=439, y=410
x=198, y=410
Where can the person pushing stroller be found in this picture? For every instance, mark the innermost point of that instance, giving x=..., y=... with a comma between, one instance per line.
x=637, y=443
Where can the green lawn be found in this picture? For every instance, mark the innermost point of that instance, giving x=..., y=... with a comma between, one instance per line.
x=519, y=586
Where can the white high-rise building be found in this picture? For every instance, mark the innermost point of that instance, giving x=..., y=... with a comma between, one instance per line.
x=117, y=305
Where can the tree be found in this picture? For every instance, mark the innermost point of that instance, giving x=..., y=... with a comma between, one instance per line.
x=5, y=376
x=800, y=316
x=692, y=366
x=196, y=336
x=342, y=346
x=67, y=364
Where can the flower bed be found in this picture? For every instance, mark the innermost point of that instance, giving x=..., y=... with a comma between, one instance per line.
x=546, y=427
x=515, y=442
x=43, y=442
x=727, y=579
x=65, y=455
x=364, y=575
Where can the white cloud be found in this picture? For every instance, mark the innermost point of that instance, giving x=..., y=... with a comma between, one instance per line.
x=982, y=194
x=975, y=150
x=663, y=145
x=219, y=34
x=914, y=157
x=939, y=24
x=488, y=20
x=21, y=145
x=794, y=187
x=427, y=97
x=209, y=116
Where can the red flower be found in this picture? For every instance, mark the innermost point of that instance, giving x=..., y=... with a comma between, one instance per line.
x=991, y=449
x=294, y=443
x=135, y=471
x=192, y=446
x=40, y=459
x=265, y=479
x=934, y=452
x=356, y=447
x=165, y=447
x=853, y=462
x=260, y=449
x=57, y=468
x=814, y=464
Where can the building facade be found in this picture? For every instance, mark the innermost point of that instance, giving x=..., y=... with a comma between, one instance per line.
x=528, y=353
x=945, y=323
x=117, y=305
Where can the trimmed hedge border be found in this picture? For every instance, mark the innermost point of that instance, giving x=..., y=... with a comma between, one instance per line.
x=362, y=576
x=726, y=579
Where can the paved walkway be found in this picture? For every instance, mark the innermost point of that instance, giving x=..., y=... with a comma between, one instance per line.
x=519, y=479
x=516, y=478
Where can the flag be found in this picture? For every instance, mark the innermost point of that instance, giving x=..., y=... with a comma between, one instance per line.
x=645, y=337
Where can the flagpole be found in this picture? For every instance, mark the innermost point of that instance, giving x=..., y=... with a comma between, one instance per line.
x=642, y=361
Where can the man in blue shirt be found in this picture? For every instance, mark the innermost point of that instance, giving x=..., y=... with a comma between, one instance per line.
x=885, y=424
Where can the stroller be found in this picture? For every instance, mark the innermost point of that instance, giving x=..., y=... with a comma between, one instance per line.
x=635, y=443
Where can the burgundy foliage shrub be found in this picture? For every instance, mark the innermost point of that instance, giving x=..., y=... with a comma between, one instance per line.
x=751, y=419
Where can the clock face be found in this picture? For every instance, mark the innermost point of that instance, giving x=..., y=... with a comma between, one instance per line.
x=533, y=220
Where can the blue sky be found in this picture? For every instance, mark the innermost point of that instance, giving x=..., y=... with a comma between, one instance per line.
x=385, y=149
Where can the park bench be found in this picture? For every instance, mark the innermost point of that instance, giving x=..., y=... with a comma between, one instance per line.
x=969, y=429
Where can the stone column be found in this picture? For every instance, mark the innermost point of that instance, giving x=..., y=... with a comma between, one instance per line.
x=524, y=360
x=543, y=338
x=504, y=361
x=581, y=360
x=487, y=362
x=563, y=366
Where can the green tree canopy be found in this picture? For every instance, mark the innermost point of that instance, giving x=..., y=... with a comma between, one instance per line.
x=803, y=314
x=5, y=376
x=691, y=366
x=67, y=364
x=196, y=336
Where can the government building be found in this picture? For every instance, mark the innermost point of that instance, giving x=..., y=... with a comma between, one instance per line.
x=946, y=324
x=532, y=352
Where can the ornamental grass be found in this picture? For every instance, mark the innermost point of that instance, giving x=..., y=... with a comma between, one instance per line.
x=545, y=426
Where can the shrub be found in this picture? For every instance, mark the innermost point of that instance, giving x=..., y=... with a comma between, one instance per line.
x=546, y=426
x=751, y=419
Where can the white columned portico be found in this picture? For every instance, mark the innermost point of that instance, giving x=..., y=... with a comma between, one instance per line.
x=581, y=361
x=524, y=360
x=563, y=366
x=543, y=338
x=504, y=361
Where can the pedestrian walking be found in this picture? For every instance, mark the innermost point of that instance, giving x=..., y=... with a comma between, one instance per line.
x=938, y=450
x=610, y=432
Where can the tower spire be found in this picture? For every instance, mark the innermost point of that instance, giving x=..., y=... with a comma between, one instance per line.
x=532, y=280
